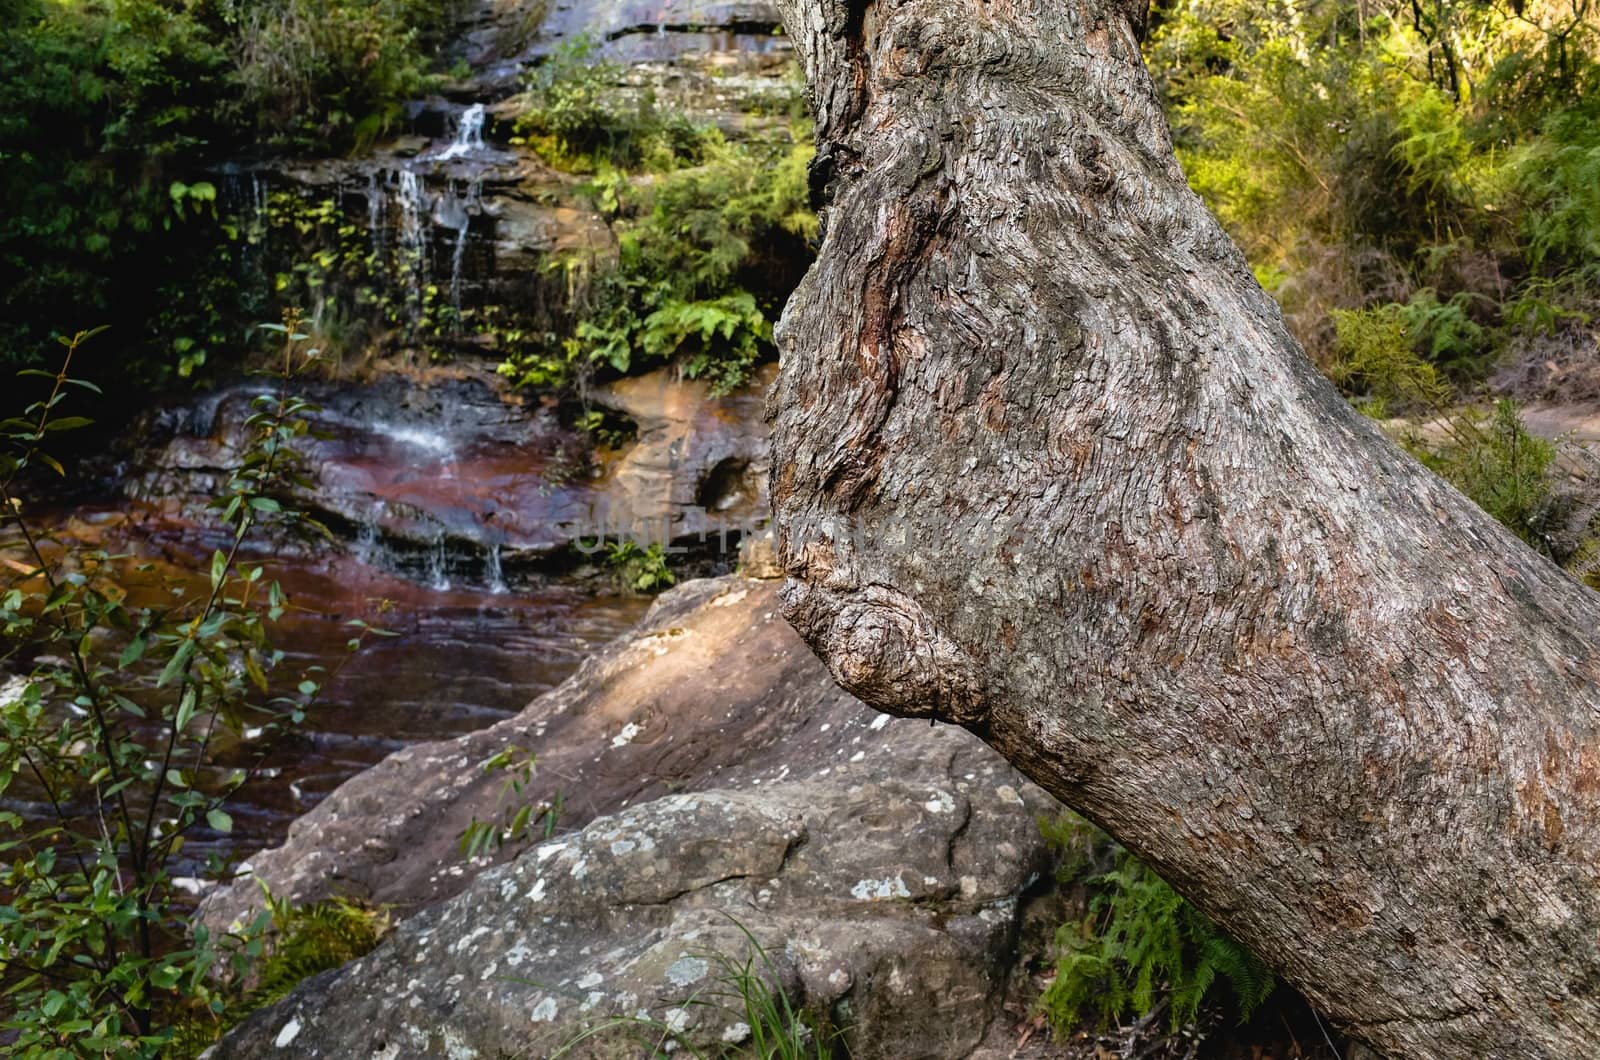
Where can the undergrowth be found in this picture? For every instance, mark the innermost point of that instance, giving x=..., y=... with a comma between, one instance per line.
x=300, y=941
x=1140, y=946
x=1541, y=490
x=1439, y=157
x=712, y=235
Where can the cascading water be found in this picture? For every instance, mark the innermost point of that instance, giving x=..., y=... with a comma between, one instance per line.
x=377, y=201
x=413, y=202
x=455, y=212
x=367, y=547
x=493, y=574
x=438, y=569
x=469, y=135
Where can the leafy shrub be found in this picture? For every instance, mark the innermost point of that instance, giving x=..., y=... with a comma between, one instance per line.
x=1504, y=469
x=679, y=289
x=1376, y=360
x=1436, y=156
x=104, y=104
x=519, y=818
x=107, y=733
x=577, y=114
x=710, y=245
x=1558, y=180
x=328, y=73
x=295, y=943
x=641, y=570
x=1141, y=946
x=114, y=111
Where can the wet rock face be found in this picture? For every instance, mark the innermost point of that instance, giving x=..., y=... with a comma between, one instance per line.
x=450, y=475
x=698, y=465
x=715, y=771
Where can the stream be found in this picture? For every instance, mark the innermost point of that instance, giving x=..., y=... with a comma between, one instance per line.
x=462, y=655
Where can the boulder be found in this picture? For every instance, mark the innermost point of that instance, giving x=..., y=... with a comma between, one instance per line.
x=711, y=689
x=720, y=784
x=883, y=900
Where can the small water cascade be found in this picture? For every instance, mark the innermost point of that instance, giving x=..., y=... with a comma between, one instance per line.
x=456, y=259
x=455, y=212
x=438, y=569
x=244, y=196
x=412, y=200
x=469, y=135
x=493, y=574
x=434, y=443
x=368, y=547
x=377, y=206
x=424, y=441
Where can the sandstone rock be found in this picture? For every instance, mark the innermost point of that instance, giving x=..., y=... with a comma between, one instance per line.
x=435, y=462
x=698, y=464
x=878, y=861
x=758, y=556
x=710, y=690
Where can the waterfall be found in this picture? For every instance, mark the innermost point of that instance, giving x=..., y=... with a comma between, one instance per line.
x=469, y=134
x=425, y=439
x=455, y=212
x=413, y=203
x=438, y=572
x=492, y=571
x=455, y=266
x=377, y=200
x=367, y=547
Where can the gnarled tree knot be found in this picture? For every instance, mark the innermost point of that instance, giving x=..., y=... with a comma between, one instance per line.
x=885, y=650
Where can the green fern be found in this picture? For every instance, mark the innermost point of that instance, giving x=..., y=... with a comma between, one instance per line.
x=310, y=939
x=1142, y=943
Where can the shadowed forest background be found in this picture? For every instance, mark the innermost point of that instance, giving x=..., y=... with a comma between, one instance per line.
x=501, y=243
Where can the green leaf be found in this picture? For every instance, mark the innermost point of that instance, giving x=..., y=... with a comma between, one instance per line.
x=219, y=820
x=186, y=707
x=133, y=652
x=175, y=665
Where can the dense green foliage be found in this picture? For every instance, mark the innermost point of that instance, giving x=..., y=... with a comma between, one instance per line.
x=1141, y=947
x=1440, y=156
x=115, y=109
x=320, y=73
x=695, y=250
x=295, y=943
x=579, y=114
x=712, y=235
x=1419, y=186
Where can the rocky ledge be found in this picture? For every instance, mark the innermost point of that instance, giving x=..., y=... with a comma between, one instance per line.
x=724, y=792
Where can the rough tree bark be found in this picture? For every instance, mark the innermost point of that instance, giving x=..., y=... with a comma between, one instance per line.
x=1047, y=464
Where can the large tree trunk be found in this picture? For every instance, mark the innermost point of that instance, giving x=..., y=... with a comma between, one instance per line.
x=1049, y=465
